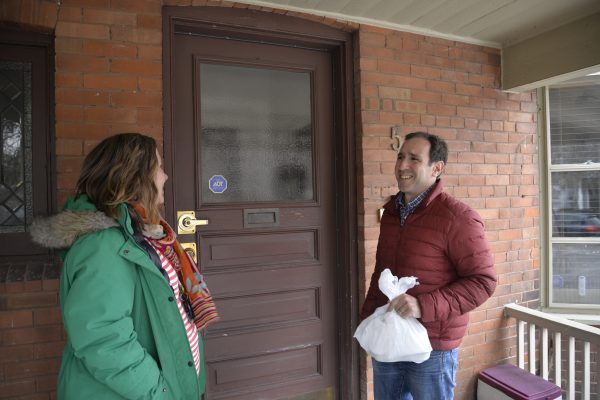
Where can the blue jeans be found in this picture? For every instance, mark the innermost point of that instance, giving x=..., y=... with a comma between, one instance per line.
x=433, y=379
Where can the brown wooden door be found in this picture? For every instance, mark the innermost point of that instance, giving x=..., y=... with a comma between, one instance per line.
x=252, y=152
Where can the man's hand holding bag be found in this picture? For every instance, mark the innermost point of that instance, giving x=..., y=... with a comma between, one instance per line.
x=387, y=336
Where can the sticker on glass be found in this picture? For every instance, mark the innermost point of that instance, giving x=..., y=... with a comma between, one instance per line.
x=217, y=184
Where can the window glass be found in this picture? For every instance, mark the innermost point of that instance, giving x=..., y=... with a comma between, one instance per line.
x=256, y=134
x=574, y=193
x=15, y=163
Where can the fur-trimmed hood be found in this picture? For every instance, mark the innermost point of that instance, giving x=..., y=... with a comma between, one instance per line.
x=62, y=230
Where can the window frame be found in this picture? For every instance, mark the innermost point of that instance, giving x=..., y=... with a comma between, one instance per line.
x=586, y=313
x=37, y=48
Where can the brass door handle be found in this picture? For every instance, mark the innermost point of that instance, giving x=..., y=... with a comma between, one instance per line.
x=187, y=222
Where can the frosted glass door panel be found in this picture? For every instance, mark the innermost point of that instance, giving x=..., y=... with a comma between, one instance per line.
x=256, y=135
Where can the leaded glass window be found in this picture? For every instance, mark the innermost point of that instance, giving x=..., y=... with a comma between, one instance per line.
x=16, y=203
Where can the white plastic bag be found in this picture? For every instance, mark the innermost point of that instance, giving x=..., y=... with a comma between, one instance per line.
x=388, y=337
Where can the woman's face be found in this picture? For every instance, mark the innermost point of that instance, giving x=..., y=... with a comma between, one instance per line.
x=159, y=180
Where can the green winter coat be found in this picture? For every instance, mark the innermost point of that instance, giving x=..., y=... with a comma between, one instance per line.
x=126, y=338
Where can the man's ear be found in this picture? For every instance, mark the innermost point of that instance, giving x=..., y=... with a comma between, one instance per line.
x=438, y=168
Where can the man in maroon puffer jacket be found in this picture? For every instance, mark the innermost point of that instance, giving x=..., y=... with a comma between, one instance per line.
x=431, y=235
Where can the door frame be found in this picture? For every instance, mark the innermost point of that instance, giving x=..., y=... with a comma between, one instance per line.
x=292, y=31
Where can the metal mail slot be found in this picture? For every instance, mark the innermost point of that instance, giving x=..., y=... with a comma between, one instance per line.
x=261, y=217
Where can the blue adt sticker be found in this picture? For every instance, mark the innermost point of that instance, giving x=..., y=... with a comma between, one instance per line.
x=217, y=184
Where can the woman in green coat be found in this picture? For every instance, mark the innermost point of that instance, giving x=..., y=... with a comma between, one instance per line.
x=132, y=326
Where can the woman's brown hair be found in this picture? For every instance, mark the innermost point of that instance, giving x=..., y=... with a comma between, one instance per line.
x=121, y=169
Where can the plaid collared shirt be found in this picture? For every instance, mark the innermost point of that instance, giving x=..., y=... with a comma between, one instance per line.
x=406, y=210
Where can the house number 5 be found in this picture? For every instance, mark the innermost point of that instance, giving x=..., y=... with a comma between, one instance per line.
x=397, y=143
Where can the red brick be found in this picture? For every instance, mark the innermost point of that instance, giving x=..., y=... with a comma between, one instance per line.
x=141, y=67
x=394, y=42
x=81, y=97
x=107, y=82
x=412, y=119
x=369, y=117
x=454, y=76
x=50, y=285
x=393, y=67
x=470, y=90
x=28, y=300
x=520, y=117
x=11, y=390
x=81, y=63
x=68, y=79
x=148, y=6
x=32, y=335
x=150, y=52
x=370, y=39
x=428, y=97
x=109, y=49
x=495, y=137
x=152, y=117
x=441, y=109
x=128, y=99
x=81, y=131
x=82, y=31
x=410, y=106
x=45, y=383
x=87, y=3
x=467, y=66
x=394, y=92
x=392, y=80
x=70, y=14
x=497, y=158
x=69, y=164
x=469, y=112
x=439, y=86
x=47, y=316
x=484, y=169
x=394, y=118
x=134, y=35
x=27, y=369
x=150, y=84
x=146, y=21
x=425, y=72
x=482, y=102
x=68, y=147
x=15, y=319
x=69, y=113
x=68, y=45
x=471, y=180
x=443, y=62
x=108, y=17
x=48, y=350
x=16, y=353
x=114, y=115
x=497, y=180
x=454, y=99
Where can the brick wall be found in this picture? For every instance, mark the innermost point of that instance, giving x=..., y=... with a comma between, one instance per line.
x=31, y=332
x=108, y=80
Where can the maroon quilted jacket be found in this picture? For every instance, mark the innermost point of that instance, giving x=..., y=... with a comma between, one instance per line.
x=443, y=244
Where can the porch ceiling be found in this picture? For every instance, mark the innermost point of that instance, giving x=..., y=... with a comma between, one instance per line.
x=495, y=23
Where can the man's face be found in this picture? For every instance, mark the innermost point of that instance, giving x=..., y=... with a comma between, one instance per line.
x=413, y=172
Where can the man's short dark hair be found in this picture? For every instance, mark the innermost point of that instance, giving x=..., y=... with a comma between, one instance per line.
x=438, y=150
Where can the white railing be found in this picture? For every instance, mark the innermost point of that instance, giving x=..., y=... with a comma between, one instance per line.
x=560, y=328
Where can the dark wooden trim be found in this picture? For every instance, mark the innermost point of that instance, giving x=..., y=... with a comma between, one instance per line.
x=292, y=31
x=39, y=49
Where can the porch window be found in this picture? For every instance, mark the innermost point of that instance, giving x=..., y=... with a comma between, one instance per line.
x=573, y=194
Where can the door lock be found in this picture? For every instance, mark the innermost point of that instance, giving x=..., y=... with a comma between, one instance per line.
x=190, y=248
x=187, y=222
